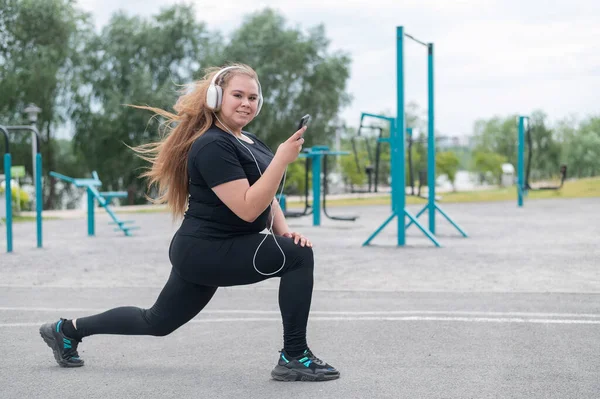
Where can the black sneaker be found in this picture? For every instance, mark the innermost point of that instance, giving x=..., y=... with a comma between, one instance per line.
x=306, y=367
x=64, y=348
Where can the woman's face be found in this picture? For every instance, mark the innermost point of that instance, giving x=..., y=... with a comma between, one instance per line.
x=240, y=102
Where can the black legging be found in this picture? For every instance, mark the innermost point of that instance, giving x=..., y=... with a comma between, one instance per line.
x=199, y=267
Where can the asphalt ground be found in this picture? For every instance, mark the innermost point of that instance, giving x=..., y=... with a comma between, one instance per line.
x=512, y=311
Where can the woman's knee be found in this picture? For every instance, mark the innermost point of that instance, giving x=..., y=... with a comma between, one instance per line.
x=305, y=257
x=162, y=331
x=158, y=326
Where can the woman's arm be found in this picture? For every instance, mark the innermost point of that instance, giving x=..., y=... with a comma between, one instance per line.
x=248, y=202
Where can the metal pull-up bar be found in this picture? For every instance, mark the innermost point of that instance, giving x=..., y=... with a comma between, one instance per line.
x=416, y=40
x=397, y=141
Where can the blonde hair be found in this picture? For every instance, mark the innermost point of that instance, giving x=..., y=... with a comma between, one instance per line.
x=168, y=157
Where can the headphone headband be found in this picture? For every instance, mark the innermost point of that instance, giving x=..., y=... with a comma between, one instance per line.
x=222, y=71
x=214, y=94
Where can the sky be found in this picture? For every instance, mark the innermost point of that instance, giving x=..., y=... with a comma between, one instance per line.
x=492, y=57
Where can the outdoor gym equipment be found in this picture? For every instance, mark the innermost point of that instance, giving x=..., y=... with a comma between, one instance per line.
x=7, y=189
x=317, y=156
x=307, y=207
x=103, y=199
x=372, y=169
x=37, y=168
x=397, y=142
x=411, y=176
x=524, y=169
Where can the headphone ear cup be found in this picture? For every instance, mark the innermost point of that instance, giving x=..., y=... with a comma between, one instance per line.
x=260, y=103
x=212, y=97
x=219, y=91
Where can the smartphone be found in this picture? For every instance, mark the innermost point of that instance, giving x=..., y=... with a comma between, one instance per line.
x=304, y=121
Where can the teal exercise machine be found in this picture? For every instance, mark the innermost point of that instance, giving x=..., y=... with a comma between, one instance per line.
x=103, y=199
x=524, y=169
x=37, y=167
x=316, y=159
x=397, y=143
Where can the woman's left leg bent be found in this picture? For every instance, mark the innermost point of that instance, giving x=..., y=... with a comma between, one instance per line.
x=230, y=262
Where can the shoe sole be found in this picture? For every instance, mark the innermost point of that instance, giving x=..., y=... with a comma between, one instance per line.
x=284, y=374
x=48, y=337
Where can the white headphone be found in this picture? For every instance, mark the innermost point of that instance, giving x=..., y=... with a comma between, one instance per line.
x=214, y=94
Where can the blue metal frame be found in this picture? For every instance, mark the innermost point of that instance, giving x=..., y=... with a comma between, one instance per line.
x=38, y=185
x=396, y=193
x=521, y=188
x=8, y=190
x=37, y=179
x=397, y=141
x=317, y=153
x=430, y=140
x=103, y=200
x=432, y=205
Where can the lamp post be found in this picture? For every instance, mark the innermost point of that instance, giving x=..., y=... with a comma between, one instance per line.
x=32, y=112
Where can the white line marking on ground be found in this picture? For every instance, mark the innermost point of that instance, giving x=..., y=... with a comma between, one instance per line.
x=332, y=313
x=274, y=287
x=380, y=318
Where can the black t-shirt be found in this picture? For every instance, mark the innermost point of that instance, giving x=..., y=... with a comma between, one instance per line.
x=215, y=158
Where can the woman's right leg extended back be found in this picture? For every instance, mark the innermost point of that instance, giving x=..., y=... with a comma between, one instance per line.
x=178, y=302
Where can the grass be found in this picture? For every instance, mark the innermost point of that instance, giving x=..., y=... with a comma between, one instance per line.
x=582, y=188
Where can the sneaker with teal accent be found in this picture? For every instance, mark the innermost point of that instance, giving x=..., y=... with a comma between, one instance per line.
x=306, y=367
x=64, y=348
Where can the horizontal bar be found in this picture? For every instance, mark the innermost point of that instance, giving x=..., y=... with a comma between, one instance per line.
x=387, y=118
x=114, y=193
x=32, y=129
x=416, y=40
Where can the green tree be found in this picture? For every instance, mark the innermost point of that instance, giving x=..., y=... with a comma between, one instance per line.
x=582, y=152
x=39, y=52
x=546, y=151
x=135, y=61
x=295, y=183
x=447, y=164
x=298, y=76
x=497, y=135
x=489, y=165
x=352, y=176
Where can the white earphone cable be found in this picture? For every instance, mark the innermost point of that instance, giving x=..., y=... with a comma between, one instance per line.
x=270, y=227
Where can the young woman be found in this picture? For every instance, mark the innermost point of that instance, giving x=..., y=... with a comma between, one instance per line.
x=223, y=181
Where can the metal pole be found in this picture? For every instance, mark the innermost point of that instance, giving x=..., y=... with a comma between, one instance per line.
x=411, y=179
x=38, y=195
x=91, y=205
x=338, y=148
x=7, y=190
x=34, y=151
x=316, y=183
x=431, y=142
x=398, y=134
x=8, y=196
x=521, y=162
